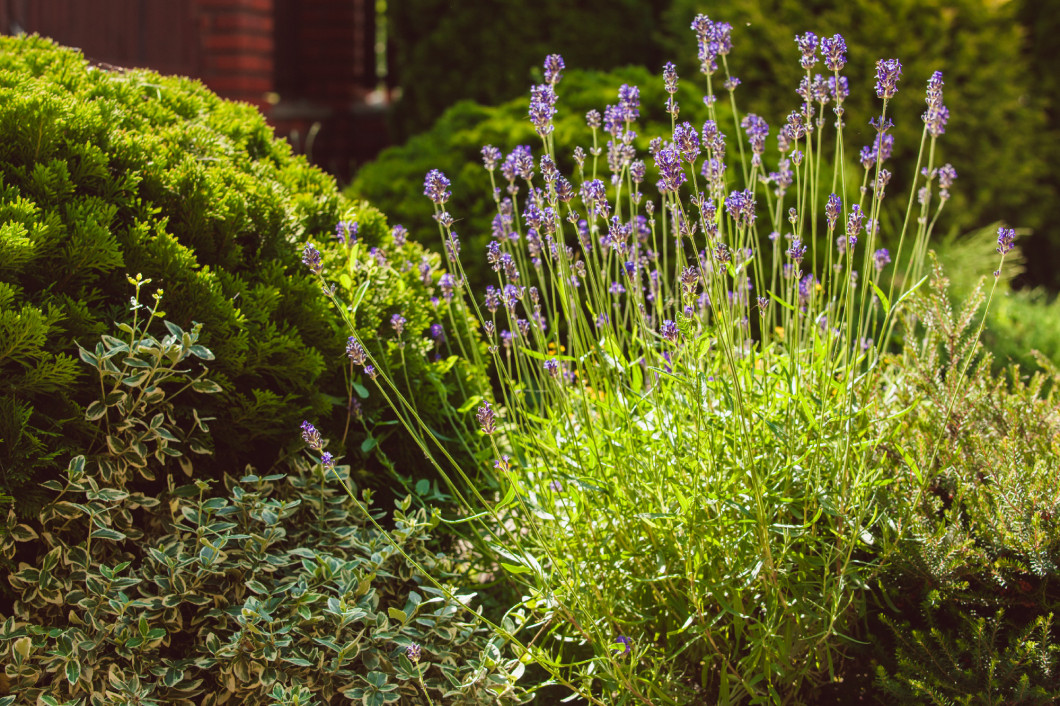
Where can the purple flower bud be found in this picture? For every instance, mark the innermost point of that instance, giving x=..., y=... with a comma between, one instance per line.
x=436, y=187
x=625, y=642
x=1006, y=240
x=854, y=222
x=670, y=331
x=629, y=102
x=542, y=108
x=672, y=176
x=311, y=436
x=437, y=333
x=888, y=71
x=880, y=258
x=553, y=66
x=413, y=653
x=356, y=351
x=592, y=119
x=834, y=50
x=486, y=418
x=397, y=322
x=741, y=206
x=490, y=156
x=937, y=114
x=327, y=460
x=947, y=175
x=686, y=139
x=796, y=251
x=311, y=258
x=807, y=44
x=832, y=210
x=670, y=77
x=552, y=367
x=346, y=232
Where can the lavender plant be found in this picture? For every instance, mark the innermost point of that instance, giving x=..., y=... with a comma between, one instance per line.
x=684, y=436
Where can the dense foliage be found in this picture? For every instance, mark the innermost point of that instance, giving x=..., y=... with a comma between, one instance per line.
x=442, y=53
x=109, y=173
x=970, y=596
x=257, y=589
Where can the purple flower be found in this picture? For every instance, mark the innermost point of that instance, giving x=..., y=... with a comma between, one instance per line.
x=552, y=367
x=397, y=322
x=888, y=71
x=854, y=223
x=437, y=333
x=757, y=131
x=670, y=331
x=553, y=66
x=625, y=642
x=400, y=234
x=741, y=206
x=629, y=102
x=486, y=418
x=880, y=148
x=490, y=156
x=1006, y=240
x=311, y=258
x=413, y=653
x=542, y=108
x=493, y=299
x=436, y=187
x=832, y=209
x=796, y=251
x=937, y=114
x=834, y=50
x=947, y=175
x=311, y=436
x=806, y=286
x=838, y=90
x=356, y=351
x=346, y=232
x=669, y=164
x=592, y=119
x=686, y=139
x=370, y=371
x=448, y=283
x=807, y=44
x=880, y=258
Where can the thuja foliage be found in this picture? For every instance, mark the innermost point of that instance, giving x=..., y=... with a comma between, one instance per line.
x=689, y=432
x=107, y=173
x=257, y=589
x=972, y=591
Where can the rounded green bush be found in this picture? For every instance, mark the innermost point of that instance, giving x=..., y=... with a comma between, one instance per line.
x=107, y=174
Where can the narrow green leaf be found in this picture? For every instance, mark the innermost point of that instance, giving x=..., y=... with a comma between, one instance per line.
x=883, y=297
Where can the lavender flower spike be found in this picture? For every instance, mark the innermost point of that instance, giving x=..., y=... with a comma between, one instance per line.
x=356, y=351
x=808, y=46
x=436, y=187
x=486, y=418
x=1006, y=240
x=311, y=258
x=880, y=259
x=888, y=71
x=311, y=436
x=670, y=331
x=553, y=66
x=834, y=49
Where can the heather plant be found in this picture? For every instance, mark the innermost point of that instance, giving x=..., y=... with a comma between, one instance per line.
x=971, y=591
x=270, y=589
x=688, y=424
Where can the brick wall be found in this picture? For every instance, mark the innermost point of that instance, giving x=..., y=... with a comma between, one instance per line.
x=237, y=49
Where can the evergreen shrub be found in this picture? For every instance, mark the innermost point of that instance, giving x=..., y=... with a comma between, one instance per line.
x=970, y=595
x=106, y=173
